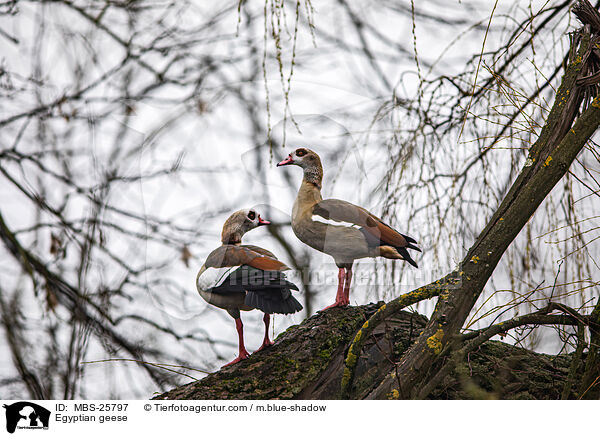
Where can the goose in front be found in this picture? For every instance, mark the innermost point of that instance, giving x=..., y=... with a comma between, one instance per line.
x=239, y=277
x=343, y=230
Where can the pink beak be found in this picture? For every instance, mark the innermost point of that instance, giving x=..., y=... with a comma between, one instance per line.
x=287, y=161
x=262, y=222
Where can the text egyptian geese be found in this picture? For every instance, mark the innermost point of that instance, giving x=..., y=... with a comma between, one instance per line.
x=352, y=233
x=245, y=277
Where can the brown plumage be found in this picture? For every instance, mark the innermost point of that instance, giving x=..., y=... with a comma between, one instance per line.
x=239, y=277
x=352, y=233
x=235, y=255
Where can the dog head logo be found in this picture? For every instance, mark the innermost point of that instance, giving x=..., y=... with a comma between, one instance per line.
x=26, y=415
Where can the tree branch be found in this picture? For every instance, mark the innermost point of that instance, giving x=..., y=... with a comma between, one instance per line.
x=549, y=159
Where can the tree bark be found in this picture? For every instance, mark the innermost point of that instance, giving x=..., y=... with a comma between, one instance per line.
x=307, y=362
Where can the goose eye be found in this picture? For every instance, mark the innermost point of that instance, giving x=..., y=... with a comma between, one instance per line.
x=300, y=152
x=251, y=215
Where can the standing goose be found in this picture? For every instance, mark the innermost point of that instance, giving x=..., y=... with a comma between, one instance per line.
x=238, y=277
x=351, y=231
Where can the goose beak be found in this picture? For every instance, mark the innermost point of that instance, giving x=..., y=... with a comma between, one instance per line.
x=287, y=161
x=262, y=222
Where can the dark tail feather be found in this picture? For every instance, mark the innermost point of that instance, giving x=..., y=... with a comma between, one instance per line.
x=273, y=301
x=406, y=256
x=411, y=243
x=409, y=239
x=268, y=291
x=414, y=247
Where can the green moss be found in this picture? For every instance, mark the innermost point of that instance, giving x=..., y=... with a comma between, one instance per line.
x=435, y=341
x=346, y=377
x=327, y=350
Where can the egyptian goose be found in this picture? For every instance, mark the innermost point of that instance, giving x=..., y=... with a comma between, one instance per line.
x=343, y=230
x=238, y=277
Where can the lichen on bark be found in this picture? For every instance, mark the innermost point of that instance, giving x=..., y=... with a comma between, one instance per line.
x=307, y=362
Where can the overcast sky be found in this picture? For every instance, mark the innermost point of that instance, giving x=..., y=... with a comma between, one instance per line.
x=335, y=97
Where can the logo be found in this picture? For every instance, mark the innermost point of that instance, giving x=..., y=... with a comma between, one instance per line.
x=26, y=415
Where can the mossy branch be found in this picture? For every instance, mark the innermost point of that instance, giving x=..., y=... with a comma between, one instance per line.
x=549, y=160
x=394, y=306
x=575, y=363
x=308, y=362
x=457, y=356
x=453, y=315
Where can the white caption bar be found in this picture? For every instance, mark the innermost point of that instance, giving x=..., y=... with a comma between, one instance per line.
x=291, y=418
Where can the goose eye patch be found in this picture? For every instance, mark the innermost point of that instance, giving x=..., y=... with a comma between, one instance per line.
x=300, y=152
x=251, y=215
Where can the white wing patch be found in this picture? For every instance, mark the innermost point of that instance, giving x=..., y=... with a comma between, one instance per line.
x=320, y=219
x=213, y=277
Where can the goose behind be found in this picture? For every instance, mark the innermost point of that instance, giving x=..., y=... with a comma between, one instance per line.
x=238, y=277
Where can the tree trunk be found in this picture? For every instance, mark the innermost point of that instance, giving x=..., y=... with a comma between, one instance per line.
x=307, y=362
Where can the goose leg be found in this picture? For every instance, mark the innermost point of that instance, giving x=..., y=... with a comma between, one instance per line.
x=339, y=297
x=347, y=286
x=266, y=342
x=242, y=353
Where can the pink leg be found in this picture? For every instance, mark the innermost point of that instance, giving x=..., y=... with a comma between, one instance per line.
x=266, y=342
x=339, y=297
x=347, y=286
x=242, y=354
